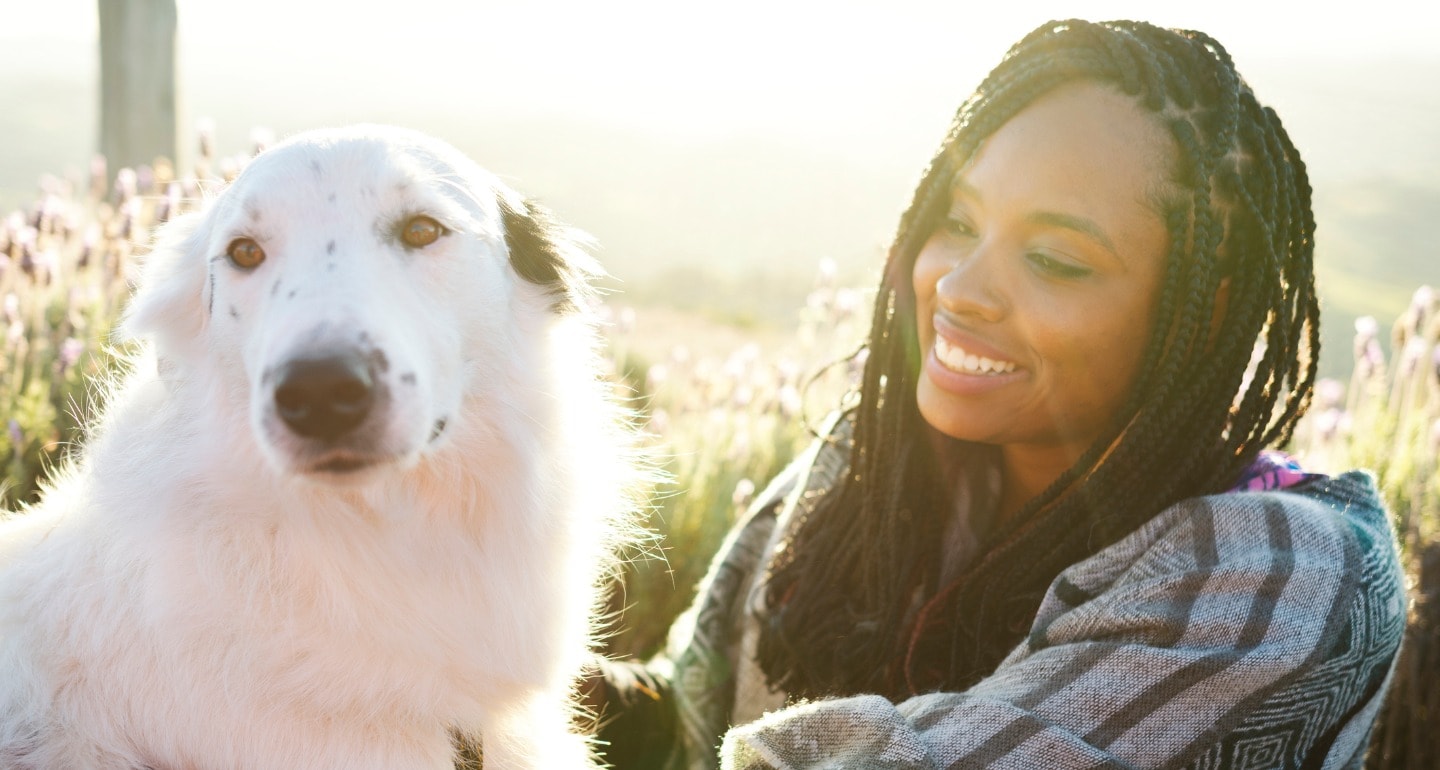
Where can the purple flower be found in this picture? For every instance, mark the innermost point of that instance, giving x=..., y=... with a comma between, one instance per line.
x=99, y=177
x=744, y=492
x=205, y=128
x=1327, y=424
x=1366, y=330
x=125, y=183
x=1329, y=393
x=70, y=351
x=145, y=179
x=1420, y=304
x=17, y=436
x=1415, y=349
x=87, y=246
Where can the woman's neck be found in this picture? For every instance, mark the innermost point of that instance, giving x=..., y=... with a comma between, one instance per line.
x=1028, y=470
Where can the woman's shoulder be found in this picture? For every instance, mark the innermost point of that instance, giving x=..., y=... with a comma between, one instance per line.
x=1333, y=531
x=1347, y=505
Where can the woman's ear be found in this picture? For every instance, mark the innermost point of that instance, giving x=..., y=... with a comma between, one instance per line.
x=171, y=299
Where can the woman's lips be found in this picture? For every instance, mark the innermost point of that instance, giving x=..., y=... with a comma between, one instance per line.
x=963, y=366
x=958, y=352
x=957, y=359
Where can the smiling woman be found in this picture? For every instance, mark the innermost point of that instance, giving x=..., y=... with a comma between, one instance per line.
x=1036, y=294
x=1053, y=529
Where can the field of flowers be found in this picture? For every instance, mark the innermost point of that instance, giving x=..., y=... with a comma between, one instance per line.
x=724, y=421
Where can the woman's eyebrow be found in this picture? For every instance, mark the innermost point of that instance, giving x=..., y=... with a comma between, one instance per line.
x=1087, y=227
x=1081, y=225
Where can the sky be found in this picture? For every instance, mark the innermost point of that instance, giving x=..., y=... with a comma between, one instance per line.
x=671, y=67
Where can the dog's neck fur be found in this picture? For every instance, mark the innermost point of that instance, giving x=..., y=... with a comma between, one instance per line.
x=438, y=546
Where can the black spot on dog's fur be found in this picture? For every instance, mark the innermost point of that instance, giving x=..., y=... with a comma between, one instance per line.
x=438, y=429
x=234, y=313
x=407, y=378
x=291, y=295
x=379, y=360
x=274, y=288
x=534, y=239
x=330, y=248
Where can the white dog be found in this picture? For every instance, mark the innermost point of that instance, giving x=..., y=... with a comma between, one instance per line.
x=359, y=493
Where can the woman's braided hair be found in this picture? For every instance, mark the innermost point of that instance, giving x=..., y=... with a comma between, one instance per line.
x=844, y=592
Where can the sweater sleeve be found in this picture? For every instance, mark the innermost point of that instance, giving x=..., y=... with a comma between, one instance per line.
x=1235, y=631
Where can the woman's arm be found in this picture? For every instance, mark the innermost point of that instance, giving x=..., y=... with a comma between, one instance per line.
x=1252, y=630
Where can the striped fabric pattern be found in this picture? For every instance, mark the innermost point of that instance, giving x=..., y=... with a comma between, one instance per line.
x=1243, y=630
x=1247, y=630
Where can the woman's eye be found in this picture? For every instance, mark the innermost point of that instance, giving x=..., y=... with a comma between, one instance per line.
x=1056, y=268
x=420, y=231
x=958, y=226
x=245, y=253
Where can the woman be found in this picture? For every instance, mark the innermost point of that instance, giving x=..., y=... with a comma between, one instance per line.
x=1052, y=534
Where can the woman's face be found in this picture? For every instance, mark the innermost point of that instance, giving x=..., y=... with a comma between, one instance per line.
x=1036, y=293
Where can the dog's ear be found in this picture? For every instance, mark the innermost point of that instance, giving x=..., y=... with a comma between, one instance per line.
x=172, y=296
x=548, y=254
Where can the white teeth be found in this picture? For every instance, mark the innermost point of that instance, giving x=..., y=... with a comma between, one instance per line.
x=957, y=359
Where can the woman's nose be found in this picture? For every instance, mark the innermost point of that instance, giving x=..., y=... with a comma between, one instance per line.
x=972, y=287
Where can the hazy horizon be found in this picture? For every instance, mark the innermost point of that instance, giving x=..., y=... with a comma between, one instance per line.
x=754, y=138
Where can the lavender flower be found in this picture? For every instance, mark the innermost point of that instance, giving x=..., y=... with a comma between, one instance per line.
x=99, y=177
x=1366, y=330
x=205, y=129
x=145, y=179
x=70, y=351
x=1421, y=304
x=743, y=494
x=17, y=436
x=125, y=184
x=1329, y=393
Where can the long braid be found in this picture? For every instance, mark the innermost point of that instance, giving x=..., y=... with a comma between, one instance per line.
x=1238, y=212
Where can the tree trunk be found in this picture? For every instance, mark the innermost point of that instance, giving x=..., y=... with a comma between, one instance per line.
x=137, y=82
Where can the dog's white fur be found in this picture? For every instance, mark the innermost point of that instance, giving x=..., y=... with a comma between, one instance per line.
x=199, y=590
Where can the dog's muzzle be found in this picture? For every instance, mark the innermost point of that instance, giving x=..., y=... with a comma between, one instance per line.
x=324, y=398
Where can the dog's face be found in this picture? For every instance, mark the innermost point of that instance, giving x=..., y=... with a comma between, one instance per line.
x=357, y=287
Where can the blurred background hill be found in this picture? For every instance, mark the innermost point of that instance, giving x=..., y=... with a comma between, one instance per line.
x=719, y=153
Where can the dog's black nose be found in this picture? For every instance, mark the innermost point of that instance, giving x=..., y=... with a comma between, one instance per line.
x=324, y=398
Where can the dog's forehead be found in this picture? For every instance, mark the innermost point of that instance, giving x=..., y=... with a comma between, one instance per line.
x=353, y=169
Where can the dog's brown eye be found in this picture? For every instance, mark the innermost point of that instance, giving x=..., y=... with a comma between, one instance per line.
x=421, y=231
x=245, y=252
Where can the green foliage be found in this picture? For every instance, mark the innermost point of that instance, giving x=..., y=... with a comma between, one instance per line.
x=62, y=282
x=723, y=425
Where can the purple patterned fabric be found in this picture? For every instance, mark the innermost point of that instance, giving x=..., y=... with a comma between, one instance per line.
x=1273, y=470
